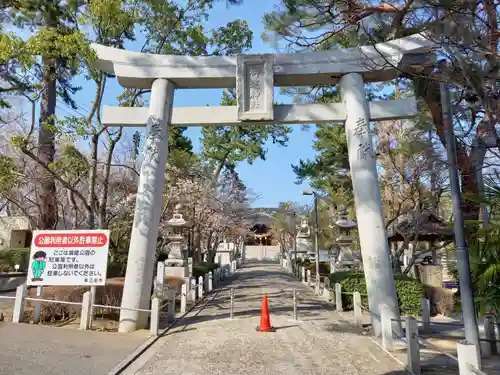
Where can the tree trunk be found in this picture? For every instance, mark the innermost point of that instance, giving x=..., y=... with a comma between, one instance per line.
x=219, y=168
x=209, y=242
x=197, y=247
x=74, y=210
x=92, y=195
x=92, y=199
x=467, y=163
x=103, y=202
x=47, y=195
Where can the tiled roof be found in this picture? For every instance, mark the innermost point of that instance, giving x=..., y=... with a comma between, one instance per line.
x=425, y=226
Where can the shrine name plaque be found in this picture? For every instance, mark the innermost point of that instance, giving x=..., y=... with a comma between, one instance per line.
x=255, y=87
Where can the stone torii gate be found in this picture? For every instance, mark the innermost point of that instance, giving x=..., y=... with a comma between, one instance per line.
x=254, y=77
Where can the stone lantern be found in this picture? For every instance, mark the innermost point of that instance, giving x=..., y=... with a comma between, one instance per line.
x=345, y=257
x=303, y=240
x=176, y=265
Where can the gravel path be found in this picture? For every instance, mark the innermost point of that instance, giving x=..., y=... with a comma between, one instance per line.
x=208, y=342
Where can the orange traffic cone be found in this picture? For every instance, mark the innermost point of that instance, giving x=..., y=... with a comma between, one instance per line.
x=265, y=320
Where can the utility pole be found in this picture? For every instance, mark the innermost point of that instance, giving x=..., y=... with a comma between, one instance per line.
x=294, y=241
x=462, y=251
x=316, y=233
x=316, y=236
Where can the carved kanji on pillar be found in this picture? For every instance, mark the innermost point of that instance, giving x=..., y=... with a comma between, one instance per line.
x=254, y=87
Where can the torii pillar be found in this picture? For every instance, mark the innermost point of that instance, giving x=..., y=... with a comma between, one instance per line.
x=375, y=251
x=141, y=255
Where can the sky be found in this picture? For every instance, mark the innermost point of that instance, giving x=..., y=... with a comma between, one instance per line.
x=272, y=180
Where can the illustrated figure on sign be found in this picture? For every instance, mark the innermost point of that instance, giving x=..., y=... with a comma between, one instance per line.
x=38, y=265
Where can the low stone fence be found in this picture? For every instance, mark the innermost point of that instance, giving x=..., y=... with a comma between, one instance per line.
x=192, y=291
x=468, y=356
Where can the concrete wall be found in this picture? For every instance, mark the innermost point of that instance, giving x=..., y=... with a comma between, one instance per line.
x=430, y=275
x=223, y=257
x=12, y=231
x=18, y=239
x=261, y=252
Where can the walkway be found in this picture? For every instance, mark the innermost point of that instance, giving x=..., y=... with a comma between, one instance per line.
x=208, y=342
x=28, y=349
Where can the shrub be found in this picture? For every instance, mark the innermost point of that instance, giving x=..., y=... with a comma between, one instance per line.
x=409, y=291
x=485, y=272
x=110, y=294
x=10, y=257
x=303, y=262
x=115, y=269
x=202, y=268
x=442, y=299
x=4, y=267
x=445, y=303
x=324, y=268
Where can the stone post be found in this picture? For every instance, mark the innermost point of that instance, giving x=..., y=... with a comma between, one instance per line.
x=171, y=306
x=184, y=293
x=192, y=290
x=371, y=226
x=206, y=279
x=358, y=312
x=159, y=281
x=425, y=307
x=148, y=204
x=468, y=358
x=200, y=287
x=490, y=347
x=338, y=297
x=155, y=316
x=210, y=281
x=413, y=346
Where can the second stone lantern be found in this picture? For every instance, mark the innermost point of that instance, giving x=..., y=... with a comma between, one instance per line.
x=176, y=265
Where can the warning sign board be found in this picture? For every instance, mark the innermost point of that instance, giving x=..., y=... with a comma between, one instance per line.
x=68, y=257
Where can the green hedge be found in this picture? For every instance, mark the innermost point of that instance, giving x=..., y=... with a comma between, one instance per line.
x=409, y=290
x=324, y=268
x=302, y=262
x=10, y=257
x=115, y=269
x=203, y=268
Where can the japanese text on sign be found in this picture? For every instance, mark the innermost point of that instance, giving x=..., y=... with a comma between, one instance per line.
x=68, y=258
